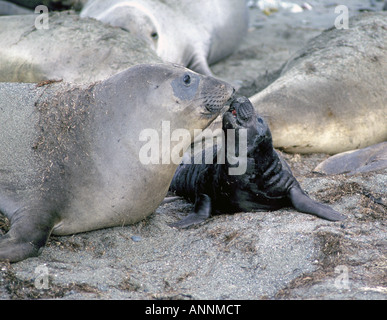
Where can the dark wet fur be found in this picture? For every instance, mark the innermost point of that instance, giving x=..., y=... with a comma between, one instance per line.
x=267, y=184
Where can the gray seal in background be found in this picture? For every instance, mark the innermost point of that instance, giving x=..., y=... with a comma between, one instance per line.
x=71, y=49
x=331, y=96
x=191, y=33
x=372, y=158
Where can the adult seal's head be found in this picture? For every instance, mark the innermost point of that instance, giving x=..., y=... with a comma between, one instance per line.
x=72, y=156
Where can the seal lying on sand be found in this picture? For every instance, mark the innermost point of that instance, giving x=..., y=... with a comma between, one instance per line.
x=8, y=8
x=69, y=159
x=71, y=49
x=51, y=4
x=331, y=96
x=190, y=33
x=372, y=158
x=267, y=184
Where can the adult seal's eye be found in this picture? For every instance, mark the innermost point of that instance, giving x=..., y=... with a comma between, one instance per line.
x=185, y=86
x=187, y=80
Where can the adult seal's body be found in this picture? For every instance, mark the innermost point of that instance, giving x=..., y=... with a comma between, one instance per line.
x=331, y=96
x=69, y=159
x=8, y=8
x=190, y=33
x=372, y=158
x=50, y=4
x=72, y=49
x=266, y=184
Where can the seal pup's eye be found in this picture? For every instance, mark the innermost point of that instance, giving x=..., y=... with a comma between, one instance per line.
x=187, y=80
x=154, y=35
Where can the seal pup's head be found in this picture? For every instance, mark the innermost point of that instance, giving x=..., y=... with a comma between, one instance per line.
x=242, y=115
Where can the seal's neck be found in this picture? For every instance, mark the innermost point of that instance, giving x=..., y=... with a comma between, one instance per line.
x=265, y=157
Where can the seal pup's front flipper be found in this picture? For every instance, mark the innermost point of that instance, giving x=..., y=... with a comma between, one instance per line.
x=201, y=213
x=305, y=204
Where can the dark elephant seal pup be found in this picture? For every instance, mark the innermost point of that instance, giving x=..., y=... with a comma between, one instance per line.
x=70, y=156
x=266, y=184
x=190, y=33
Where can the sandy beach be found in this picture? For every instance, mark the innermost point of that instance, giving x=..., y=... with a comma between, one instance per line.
x=265, y=255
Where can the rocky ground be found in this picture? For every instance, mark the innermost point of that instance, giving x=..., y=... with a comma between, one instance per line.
x=266, y=255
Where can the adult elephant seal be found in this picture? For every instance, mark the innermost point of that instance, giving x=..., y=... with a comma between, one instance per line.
x=331, y=96
x=266, y=183
x=69, y=158
x=51, y=4
x=190, y=33
x=372, y=158
x=8, y=8
x=71, y=49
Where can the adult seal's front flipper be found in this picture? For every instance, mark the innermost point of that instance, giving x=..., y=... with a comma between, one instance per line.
x=29, y=232
x=305, y=204
x=201, y=213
